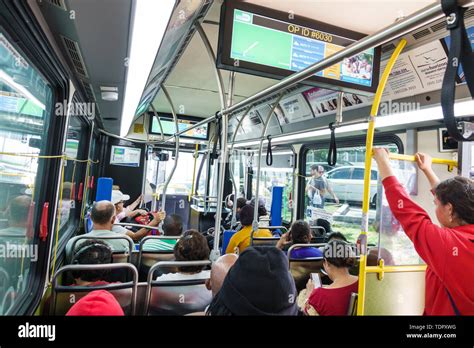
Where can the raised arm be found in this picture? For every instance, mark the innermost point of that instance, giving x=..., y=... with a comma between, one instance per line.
x=427, y=237
x=424, y=163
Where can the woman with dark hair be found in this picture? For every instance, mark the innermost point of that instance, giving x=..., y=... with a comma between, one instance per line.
x=334, y=299
x=192, y=246
x=300, y=233
x=447, y=250
x=259, y=283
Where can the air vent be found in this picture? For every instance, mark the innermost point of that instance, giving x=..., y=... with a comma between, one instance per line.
x=74, y=53
x=422, y=33
x=469, y=13
x=388, y=48
x=438, y=26
x=89, y=91
x=58, y=3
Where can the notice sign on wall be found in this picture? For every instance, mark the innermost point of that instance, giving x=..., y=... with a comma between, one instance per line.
x=125, y=156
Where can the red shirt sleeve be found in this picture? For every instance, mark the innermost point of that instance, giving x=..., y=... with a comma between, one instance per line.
x=428, y=238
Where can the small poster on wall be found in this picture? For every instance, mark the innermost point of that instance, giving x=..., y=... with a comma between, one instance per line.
x=125, y=156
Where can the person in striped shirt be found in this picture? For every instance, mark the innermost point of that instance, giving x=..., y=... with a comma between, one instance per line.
x=172, y=227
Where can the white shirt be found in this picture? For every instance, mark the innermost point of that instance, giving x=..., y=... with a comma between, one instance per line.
x=183, y=276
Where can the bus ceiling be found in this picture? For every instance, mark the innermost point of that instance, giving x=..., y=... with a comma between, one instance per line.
x=194, y=91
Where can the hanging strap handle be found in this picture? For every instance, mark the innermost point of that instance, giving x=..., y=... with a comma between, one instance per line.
x=332, y=153
x=269, y=158
x=460, y=52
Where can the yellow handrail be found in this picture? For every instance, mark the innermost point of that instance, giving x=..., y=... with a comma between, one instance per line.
x=450, y=163
x=367, y=174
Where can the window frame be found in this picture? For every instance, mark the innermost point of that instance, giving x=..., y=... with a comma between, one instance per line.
x=20, y=27
x=379, y=139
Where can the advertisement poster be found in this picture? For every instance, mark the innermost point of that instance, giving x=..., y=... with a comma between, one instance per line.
x=125, y=156
x=324, y=101
x=418, y=71
x=295, y=109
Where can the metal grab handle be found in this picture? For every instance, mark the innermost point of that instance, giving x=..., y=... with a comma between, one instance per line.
x=147, y=238
x=175, y=118
x=136, y=225
x=124, y=237
x=259, y=164
x=167, y=264
x=108, y=266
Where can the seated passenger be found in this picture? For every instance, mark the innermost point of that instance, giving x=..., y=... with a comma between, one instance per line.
x=336, y=236
x=334, y=299
x=191, y=247
x=96, y=303
x=91, y=252
x=172, y=227
x=449, y=289
x=259, y=283
x=103, y=217
x=300, y=233
x=17, y=216
x=373, y=257
x=118, y=199
x=241, y=239
x=219, y=271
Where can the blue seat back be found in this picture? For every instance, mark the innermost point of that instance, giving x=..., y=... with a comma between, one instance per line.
x=226, y=239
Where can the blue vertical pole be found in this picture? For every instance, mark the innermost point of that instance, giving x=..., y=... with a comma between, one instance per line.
x=104, y=189
x=277, y=206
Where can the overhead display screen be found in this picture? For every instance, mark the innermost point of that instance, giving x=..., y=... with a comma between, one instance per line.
x=184, y=122
x=264, y=42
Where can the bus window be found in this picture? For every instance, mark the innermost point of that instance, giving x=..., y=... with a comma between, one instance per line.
x=182, y=181
x=25, y=103
x=74, y=173
x=279, y=174
x=335, y=193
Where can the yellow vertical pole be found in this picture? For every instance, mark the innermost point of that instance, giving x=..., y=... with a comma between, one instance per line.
x=368, y=164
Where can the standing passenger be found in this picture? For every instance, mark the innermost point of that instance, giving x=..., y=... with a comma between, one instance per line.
x=447, y=250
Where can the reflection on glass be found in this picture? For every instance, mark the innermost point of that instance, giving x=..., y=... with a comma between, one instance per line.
x=334, y=193
x=25, y=101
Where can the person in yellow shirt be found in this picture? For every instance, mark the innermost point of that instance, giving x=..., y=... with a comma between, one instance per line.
x=241, y=239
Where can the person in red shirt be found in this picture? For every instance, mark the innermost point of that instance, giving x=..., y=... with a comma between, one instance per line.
x=448, y=250
x=334, y=299
x=96, y=303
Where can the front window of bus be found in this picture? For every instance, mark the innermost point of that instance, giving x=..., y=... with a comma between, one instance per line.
x=25, y=103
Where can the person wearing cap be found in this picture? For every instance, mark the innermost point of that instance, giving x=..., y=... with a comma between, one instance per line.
x=96, y=303
x=259, y=283
x=241, y=239
x=118, y=200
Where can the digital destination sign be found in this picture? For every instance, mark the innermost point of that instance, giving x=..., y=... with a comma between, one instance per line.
x=169, y=128
x=264, y=42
